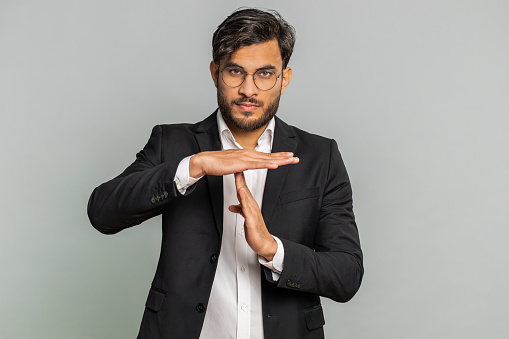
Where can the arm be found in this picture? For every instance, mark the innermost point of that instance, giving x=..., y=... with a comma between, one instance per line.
x=147, y=185
x=334, y=267
x=137, y=194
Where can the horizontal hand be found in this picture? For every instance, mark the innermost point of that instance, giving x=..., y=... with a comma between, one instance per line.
x=257, y=235
x=235, y=161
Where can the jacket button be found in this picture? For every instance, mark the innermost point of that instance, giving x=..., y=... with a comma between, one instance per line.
x=293, y=284
x=153, y=200
x=200, y=307
x=213, y=259
x=165, y=194
x=158, y=197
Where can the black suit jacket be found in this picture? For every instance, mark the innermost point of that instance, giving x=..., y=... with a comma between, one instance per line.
x=307, y=205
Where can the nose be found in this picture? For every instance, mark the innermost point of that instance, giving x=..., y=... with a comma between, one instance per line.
x=248, y=87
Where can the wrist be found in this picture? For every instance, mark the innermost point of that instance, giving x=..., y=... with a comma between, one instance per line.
x=271, y=250
x=195, y=167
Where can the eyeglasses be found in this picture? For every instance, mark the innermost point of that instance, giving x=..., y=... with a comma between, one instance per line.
x=263, y=79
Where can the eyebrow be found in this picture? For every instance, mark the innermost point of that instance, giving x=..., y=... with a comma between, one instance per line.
x=263, y=68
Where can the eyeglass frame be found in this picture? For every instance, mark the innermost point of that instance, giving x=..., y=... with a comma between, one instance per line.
x=252, y=74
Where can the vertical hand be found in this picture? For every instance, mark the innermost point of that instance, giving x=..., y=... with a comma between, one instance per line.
x=257, y=235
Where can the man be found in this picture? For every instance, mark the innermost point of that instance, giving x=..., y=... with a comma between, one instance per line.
x=257, y=218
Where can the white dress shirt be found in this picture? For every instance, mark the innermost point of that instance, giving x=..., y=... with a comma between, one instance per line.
x=234, y=308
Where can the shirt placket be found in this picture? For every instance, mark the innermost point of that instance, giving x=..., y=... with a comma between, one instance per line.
x=243, y=251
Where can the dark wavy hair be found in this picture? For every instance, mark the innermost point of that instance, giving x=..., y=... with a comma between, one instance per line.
x=248, y=26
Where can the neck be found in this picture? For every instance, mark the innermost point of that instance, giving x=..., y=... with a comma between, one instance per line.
x=248, y=140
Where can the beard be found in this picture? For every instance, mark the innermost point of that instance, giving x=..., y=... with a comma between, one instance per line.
x=246, y=125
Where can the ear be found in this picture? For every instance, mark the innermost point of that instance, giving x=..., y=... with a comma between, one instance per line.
x=287, y=76
x=214, y=72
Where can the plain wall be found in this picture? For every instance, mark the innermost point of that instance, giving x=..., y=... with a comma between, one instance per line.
x=415, y=93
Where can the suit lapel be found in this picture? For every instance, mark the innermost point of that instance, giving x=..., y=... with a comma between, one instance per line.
x=207, y=137
x=284, y=141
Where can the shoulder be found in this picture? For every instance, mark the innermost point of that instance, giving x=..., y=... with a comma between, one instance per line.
x=311, y=137
x=186, y=129
x=305, y=138
x=178, y=127
x=178, y=130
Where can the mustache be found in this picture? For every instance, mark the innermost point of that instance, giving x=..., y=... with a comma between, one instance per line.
x=249, y=100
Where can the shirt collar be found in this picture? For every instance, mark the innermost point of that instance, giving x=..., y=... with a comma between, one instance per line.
x=228, y=140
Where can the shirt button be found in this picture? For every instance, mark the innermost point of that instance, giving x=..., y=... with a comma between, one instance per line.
x=241, y=232
x=243, y=307
x=242, y=269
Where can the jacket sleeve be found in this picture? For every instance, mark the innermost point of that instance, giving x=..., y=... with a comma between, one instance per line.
x=334, y=267
x=138, y=193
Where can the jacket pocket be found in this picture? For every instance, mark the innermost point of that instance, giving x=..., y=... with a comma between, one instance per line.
x=314, y=317
x=306, y=193
x=155, y=299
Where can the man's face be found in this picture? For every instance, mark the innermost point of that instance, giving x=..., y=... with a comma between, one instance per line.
x=246, y=108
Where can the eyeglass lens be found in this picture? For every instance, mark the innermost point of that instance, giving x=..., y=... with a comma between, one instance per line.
x=263, y=79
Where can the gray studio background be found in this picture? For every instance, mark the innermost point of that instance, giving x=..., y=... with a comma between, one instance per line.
x=415, y=93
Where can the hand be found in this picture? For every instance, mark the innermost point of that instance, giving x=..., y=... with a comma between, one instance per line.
x=257, y=235
x=235, y=161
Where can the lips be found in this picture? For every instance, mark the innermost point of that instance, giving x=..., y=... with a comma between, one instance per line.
x=248, y=107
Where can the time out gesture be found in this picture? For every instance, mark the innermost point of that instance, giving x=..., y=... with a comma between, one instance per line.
x=237, y=161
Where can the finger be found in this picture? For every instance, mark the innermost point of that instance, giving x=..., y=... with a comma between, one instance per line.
x=280, y=154
x=268, y=156
x=239, y=183
x=243, y=192
x=285, y=161
x=247, y=202
x=276, y=154
x=271, y=164
x=273, y=157
x=235, y=208
x=244, y=202
x=240, y=180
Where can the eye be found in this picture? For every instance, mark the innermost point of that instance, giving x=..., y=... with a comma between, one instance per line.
x=265, y=74
x=235, y=71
